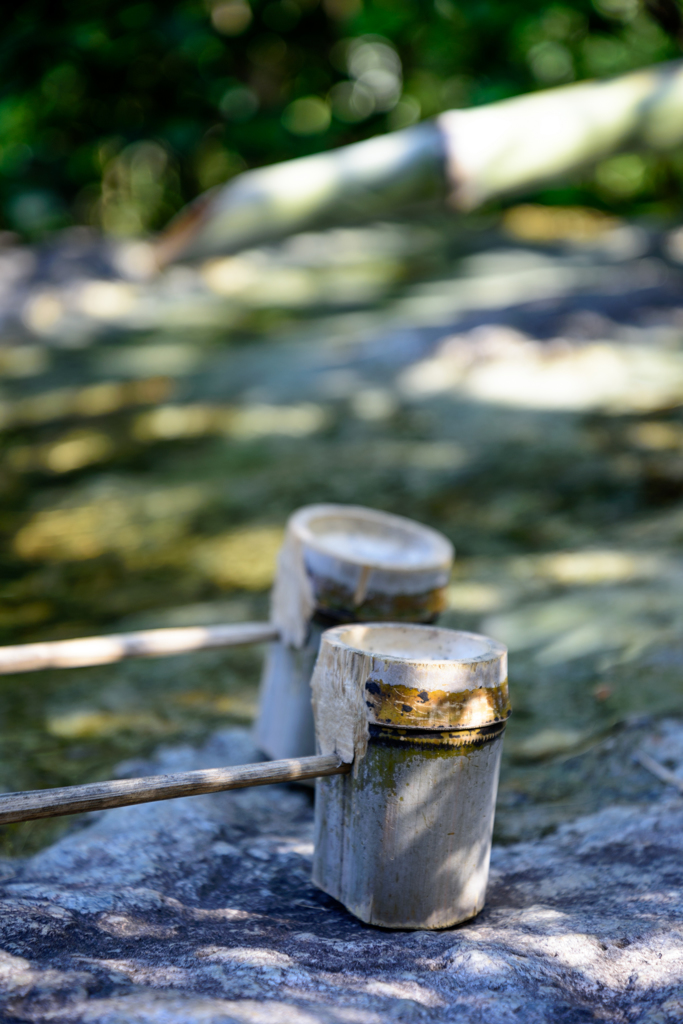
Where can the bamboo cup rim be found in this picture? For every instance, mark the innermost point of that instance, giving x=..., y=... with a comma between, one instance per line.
x=427, y=677
x=401, y=544
x=416, y=644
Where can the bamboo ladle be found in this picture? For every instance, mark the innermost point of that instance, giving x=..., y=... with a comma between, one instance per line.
x=98, y=796
x=149, y=643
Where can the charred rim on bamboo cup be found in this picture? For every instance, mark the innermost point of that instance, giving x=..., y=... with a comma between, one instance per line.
x=427, y=677
x=405, y=840
x=365, y=564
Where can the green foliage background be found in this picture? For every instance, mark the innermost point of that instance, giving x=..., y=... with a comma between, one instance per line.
x=116, y=114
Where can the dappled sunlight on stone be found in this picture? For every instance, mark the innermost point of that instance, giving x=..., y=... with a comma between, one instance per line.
x=252, y=956
x=656, y=436
x=170, y=358
x=243, y=558
x=106, y=300
x=92, y=400
x=424, y=457
x=476, y=597
x=373, y=404
x=142, y=973
x=518, y=582
x=239, y=707
x=231, y=275
x=574, y=625
x=74, y=451
x=174, y=421
x=256, y=285
x=599, y=376
x=30, y=614
x=340, y=266
x=93, y=724
x=405, y=990
x=496, y=281
x=581, y=568
x=44, y=312
x=594, y=637
x=135, y=259
x=204, y=613
x=536, y=223
x=347, y=266
x=245, y=423
x=499, y=365
x=260, y=420
x=133, y=522
x=24, y=361
x=126, y=926
x=77, y=451
x=548, y=743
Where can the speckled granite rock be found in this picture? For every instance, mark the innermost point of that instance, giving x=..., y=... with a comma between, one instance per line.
x=201, y=912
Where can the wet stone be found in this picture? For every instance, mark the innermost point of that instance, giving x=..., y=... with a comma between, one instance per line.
x=202, y=910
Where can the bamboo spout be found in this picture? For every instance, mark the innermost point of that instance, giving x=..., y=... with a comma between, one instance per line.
x=474, y=155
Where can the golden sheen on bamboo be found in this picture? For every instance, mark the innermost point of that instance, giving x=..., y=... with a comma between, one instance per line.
x=405, y=840
x=340, y=563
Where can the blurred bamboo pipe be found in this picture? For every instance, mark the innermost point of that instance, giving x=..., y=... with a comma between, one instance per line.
x=150, y=643
x=471, y=156
x=98, y=796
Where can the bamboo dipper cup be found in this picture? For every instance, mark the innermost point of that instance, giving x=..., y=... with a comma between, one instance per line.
x=340, y=563
x=404, y=841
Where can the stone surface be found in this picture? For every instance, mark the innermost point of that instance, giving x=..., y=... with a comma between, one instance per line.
x=201, y=911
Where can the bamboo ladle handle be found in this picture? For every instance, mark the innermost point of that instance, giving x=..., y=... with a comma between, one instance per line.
x=97, y=796
x=150, y=643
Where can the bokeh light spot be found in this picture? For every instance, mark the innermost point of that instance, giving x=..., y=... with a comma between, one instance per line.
x=231, y=18
x=309, y=115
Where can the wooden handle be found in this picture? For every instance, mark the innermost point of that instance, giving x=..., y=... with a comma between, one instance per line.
x=659, y=770
x=51, y=803
x=151, y=643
